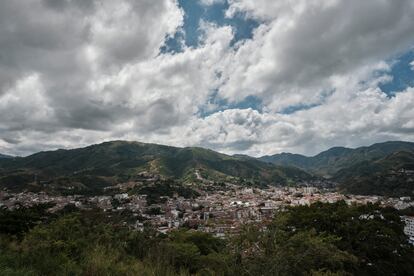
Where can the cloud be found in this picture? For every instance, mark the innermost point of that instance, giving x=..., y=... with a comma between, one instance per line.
x=20, y=113
x=82, y=72
x=367, y=117
x=211, y=2
x=137, y=97
x=303, y=45
x=67, y=47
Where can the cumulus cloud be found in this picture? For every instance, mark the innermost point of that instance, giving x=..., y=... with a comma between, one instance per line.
x=54, y=51
x=211, y=2
x=77, y=72
x=302, y=45
x=132, y=92
x=367, y=117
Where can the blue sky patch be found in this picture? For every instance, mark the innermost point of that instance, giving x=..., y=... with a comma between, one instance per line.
x=194, y=12
x=295, y=108
x=402, y=73
x=252, y=102
x=306, y=106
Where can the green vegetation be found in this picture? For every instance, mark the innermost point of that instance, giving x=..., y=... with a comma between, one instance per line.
x=19, y=221
x=89, y=170
x=385, y=176
x=323, y=239
x=333, y=160
x=372, y=234
x=162, y=188
x=3, y=156
x=365, y=170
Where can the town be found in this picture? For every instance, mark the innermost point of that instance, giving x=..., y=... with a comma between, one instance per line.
x=221, y=212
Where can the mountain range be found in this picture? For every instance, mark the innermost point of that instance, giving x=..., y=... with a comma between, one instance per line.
x=383, y=168
x=3, y=156
x=99, y=166
x=329, y=162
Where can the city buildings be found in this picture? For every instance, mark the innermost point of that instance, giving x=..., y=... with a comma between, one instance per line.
x=219, y=212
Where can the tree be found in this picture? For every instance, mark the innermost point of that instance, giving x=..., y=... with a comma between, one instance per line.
x=281, y=252
x=373, y=234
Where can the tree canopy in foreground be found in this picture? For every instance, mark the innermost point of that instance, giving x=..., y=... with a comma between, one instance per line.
x=322, y=239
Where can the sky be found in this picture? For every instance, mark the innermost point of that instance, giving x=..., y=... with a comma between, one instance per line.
x=251, y=77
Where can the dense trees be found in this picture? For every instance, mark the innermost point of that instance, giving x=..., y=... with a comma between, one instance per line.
x=280, y=252
x=19, y=221
x=372, y=234
x=161, y=188
x=323, y=239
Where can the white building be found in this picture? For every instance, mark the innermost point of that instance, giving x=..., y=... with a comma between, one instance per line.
x=121, y=196
x=409, y=227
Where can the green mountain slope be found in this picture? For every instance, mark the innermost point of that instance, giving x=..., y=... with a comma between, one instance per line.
x=3, y=156
x=98, y=166
x=392, y=175
x=288, y=159
x=329, y=162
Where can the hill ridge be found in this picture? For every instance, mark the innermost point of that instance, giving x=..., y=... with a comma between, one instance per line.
x=332, y=160
x=113, y=162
